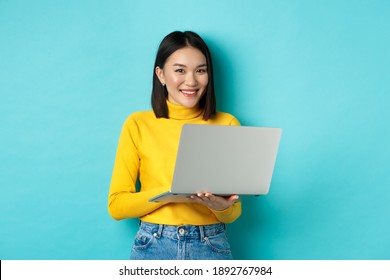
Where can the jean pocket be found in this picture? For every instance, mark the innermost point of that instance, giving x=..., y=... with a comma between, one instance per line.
x=218, y=243
x=143, y=240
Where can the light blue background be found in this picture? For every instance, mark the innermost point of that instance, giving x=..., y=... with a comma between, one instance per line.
x=72, y=71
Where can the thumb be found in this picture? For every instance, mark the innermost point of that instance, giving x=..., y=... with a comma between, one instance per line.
x=233, y=198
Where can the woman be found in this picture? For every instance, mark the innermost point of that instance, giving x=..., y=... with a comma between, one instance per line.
x=183, y=92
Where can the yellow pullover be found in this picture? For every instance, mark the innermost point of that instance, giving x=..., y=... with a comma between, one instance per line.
x=147, y=149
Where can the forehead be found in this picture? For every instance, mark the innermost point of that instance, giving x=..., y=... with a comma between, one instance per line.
x=188, y=56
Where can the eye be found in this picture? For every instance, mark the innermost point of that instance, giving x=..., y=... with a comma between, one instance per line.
x=202, y=70
x=181, y=71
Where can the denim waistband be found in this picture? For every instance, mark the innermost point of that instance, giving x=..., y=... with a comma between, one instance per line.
x=184, y=231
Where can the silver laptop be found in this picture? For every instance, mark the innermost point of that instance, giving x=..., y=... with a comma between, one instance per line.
x=223, y=160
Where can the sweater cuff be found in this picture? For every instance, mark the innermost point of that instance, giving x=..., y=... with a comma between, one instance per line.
x=225, y=212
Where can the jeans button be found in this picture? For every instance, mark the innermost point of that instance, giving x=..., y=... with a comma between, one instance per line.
x=181, y=231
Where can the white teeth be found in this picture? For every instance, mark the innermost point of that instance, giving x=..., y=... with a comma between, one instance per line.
x=188, y=92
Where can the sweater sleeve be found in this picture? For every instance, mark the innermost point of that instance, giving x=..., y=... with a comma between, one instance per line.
x=230, y=214
x=234, y=122
x=123, y=200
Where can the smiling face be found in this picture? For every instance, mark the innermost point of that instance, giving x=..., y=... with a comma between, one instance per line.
x=185, y=76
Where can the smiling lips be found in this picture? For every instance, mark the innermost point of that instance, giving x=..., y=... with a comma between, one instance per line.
x=189, y=92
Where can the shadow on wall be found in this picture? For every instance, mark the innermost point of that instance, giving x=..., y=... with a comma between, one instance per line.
x=221, y=64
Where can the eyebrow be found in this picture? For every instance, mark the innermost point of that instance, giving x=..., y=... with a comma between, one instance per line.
x=182, y=65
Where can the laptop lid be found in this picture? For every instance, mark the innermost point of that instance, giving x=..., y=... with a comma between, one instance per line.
x=223, y=160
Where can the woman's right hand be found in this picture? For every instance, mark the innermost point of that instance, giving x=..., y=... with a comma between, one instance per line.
x=214, y=202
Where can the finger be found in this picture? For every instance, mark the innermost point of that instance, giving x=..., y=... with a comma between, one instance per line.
x=196, y=199
x=233, y=198
x=203, y=196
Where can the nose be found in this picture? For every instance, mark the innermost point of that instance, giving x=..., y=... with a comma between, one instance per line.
x=191, y=80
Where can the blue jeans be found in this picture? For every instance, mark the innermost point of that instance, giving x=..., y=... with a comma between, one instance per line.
x=163, y=242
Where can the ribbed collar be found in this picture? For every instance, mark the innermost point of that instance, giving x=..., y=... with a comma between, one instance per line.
x=179, y=112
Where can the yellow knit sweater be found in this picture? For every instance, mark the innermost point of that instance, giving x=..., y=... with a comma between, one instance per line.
x=147, y=150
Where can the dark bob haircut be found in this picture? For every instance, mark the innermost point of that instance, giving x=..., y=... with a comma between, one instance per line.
x=171, y=43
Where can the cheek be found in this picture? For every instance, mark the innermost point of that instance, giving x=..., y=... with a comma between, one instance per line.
x=204, y=80
x=173, y=79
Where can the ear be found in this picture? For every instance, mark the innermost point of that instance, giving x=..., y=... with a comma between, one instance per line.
x=160, y=74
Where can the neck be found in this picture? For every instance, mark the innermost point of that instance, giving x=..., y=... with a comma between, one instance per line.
x=179, y=112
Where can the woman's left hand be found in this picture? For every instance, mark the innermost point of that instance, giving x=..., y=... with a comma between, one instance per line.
x=214, y=202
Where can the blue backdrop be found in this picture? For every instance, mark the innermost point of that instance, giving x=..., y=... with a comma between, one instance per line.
x=72, y=71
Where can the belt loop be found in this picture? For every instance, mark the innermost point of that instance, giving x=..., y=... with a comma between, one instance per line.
x=160, y=230
x=202, y=233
